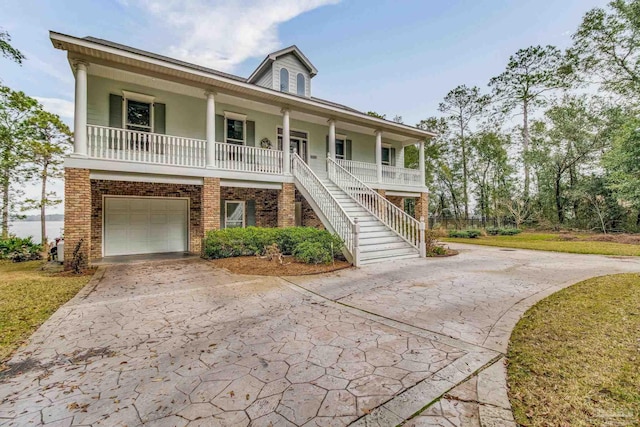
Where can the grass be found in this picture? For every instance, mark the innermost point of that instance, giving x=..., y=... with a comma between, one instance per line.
x=28, y=297
x=552, y=242
x=574, y=358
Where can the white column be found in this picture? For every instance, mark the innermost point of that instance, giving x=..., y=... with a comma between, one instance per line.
x=379, y=155
x=80, y=113
x=332, y=139
x=421, y=161
x=211, y=129
x=286, y=133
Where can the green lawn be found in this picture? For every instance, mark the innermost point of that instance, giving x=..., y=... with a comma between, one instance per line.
x=574, y=358
x=28, y=297
x=552, y=242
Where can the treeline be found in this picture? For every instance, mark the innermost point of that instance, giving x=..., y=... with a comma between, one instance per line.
x=33, y=143
x=553, y=141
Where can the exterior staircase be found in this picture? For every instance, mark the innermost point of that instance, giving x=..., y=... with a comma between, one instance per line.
x=377, y=242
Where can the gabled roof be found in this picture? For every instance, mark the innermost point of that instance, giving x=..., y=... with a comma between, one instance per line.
x=275, y=55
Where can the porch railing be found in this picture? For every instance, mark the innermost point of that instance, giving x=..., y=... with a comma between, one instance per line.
x=342, y=224
x=367, y=172
x=405, y=226
x=124, y=144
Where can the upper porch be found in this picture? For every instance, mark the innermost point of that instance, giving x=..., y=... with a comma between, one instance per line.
x=153, y=119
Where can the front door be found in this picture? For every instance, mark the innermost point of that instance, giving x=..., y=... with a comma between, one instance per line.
x=299, y=146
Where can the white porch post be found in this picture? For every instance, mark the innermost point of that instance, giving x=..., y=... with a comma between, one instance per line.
x=286, y=133
x=379, y=155
x=421, y=162
x=332, y=139
x=211, y=129
x=80, y=113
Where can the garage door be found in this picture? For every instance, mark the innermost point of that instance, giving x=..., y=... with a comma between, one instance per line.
x=145, y=225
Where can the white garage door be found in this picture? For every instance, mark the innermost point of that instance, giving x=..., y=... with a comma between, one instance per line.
x=145, y=225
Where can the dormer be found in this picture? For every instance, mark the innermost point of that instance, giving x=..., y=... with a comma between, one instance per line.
x=286, y=70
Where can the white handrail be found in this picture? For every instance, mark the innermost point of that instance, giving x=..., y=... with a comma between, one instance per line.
x=125, y=144
x=248, y=159
x=342, y=224
x=393, y=217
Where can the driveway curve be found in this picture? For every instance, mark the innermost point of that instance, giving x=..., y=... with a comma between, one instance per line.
x=178, y=343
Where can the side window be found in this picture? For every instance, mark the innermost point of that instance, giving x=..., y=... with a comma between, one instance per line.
x=233, y=214
x=301, y=84
x=386, y=155
x=284, y=80
x=138, y=116
x=340, y=152
x=234, y=131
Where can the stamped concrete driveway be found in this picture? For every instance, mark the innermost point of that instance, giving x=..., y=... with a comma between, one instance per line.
x=177, y=343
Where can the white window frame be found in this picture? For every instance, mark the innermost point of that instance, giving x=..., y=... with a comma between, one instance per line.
x=343, y=138
x=239, y=117
x=244, y=212
x=279, y=135
x=388, y=147
x=138, y=97
x=288, y=87
x=304, y=85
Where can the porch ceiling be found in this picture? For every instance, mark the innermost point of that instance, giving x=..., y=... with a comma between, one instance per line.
x=190, y=80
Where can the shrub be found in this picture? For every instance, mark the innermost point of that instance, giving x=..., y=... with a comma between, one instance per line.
x=19, y=249
x=436, y=250
x=232, y=242
x=465, y=234
x=493, y=231
x=509, y=231
x=312, y=253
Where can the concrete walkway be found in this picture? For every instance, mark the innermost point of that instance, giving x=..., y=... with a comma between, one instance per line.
x=177, y=342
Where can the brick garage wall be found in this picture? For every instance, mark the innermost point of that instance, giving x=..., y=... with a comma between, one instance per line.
x=101, y=188
x=77, y=218
x=266, y=203
x=309, y=217
x=397, y=200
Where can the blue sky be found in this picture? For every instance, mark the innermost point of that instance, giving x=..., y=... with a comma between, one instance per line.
x=394, y=57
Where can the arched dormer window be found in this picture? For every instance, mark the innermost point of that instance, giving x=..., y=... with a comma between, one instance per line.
x=284, y=80
x=300, y=83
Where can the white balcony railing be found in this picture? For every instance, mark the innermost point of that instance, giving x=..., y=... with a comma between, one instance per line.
x=128, y=145
x=367, y=172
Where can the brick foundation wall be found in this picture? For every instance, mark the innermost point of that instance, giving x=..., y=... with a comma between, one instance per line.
x=77, y=218
x=309, y=217
x=422, y=207
x=101, y=188
x=286, y=205
x=210, y=203
x=397, y=200
x=266, y=203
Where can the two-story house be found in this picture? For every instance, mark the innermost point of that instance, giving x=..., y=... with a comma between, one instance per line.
x=165, y=151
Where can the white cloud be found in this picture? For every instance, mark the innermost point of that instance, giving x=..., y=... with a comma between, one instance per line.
x=224, y=33
x=58, y=106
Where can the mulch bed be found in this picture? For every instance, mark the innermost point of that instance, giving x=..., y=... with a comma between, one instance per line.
x=263, y=267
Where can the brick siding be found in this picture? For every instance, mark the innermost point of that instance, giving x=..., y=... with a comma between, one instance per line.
x=77, y=218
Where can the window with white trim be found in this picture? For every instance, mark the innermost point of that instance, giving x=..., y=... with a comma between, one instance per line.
x=284, y=80
x=234, y=214
x=138, y=112
x=235, y=127
x=386, y=155
x=340, y=147
x=300, y=82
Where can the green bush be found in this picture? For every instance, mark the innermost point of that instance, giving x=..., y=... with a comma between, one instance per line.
x=509, y=231
x=493, y=231
x=232, y=242
x=312, y=253
x=465, y=234
x=19, y=249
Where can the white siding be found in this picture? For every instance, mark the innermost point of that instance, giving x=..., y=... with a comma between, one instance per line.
x=266, y=79
x=293, y=64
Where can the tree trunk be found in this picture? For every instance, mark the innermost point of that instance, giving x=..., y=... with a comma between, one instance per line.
x=525, y=148
x=465, y=172
x=5, y=207
x=43, y=202
x=558, y=198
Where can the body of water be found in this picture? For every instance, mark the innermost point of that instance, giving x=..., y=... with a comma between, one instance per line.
x=32, y=228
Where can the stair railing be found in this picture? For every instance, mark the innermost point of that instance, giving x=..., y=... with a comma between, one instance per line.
x=396, y=219
x=346, y=228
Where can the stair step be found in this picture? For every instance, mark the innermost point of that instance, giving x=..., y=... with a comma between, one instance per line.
x=392, y=253
x=375, y=247
x=395, y=258
x=378, y=235
x=369, y=239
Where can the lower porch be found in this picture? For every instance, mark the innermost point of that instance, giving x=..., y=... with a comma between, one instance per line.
x=137, y=214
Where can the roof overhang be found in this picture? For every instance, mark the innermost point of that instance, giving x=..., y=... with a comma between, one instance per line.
x=90, y=51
